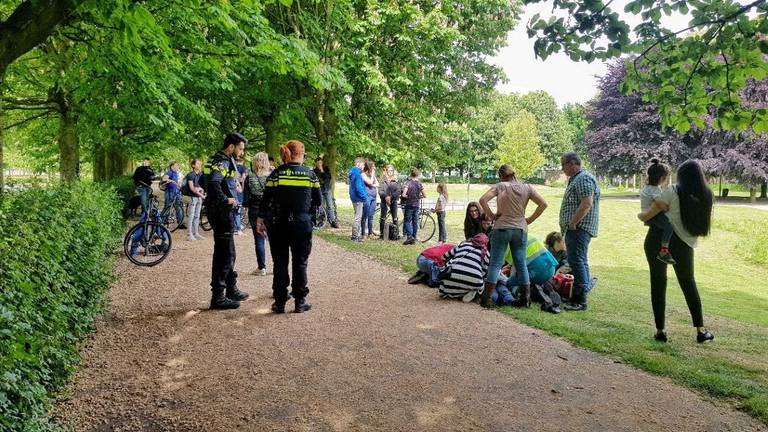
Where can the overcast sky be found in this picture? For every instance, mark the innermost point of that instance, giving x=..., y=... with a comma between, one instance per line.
x=566, y=80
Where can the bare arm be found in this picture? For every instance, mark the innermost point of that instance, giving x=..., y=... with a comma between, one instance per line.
x=489, y=195
x=541, y=204
x=584, y=206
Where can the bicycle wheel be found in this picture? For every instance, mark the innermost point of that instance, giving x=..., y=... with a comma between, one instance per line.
x=204, y=224
x=320, y=217
x=168, y=217
x=147, y=244
x=244, y=218
x=427, y=227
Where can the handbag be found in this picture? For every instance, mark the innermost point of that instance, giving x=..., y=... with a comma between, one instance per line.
x=562, y=284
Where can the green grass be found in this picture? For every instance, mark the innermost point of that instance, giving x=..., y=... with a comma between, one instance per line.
x=731, y=270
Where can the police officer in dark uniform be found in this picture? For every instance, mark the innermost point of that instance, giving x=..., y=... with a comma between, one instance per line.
x=220, y=171
x=291, y=195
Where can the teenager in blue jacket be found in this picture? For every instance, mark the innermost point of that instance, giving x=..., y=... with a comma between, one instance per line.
x=358, y=194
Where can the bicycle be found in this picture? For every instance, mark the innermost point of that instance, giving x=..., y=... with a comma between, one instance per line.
x=168, y=214
x=320, y=218
x=148, y=243
x=427, y=224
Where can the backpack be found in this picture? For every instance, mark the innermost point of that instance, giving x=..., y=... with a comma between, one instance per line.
x=185, y=189
x=253, y=197
x=392, y=232
x=562, y=283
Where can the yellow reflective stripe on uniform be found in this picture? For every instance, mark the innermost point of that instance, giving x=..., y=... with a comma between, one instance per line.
x=534, y=249
x=289, y=182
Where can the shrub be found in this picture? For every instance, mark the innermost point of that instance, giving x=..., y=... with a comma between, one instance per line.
x=53, y=277
x=125, y=189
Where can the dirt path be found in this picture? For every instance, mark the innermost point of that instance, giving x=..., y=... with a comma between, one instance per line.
x=373, y=354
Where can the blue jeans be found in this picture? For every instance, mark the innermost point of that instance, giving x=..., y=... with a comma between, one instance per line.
x=170, y=199
x=259, y=241
x=577, y=248
x=429, y=267
x=502, y=295
x=369, y=206
x=144, y=192
x=517, y=240
x=411, y=221
x=330, y=211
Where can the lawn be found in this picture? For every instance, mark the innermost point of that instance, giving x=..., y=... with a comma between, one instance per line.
x=731, y=270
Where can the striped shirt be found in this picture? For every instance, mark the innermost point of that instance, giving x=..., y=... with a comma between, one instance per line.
x=468, y=269
x=580, y=186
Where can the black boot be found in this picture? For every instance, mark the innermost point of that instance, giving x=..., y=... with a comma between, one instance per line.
x=525, y=296
x=301, y=305
x=485, y=299
x=220, y=301
x=278, y=307
x=235, y=294
x=382, y=225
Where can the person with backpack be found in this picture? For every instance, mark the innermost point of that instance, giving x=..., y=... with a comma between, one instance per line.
x=220, y=176
x=172, y=195
x=413, y=192
x=255, y=182
x=192, y=189
x=142, y=179
x=389, y=192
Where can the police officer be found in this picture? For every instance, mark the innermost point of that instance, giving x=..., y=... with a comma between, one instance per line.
x=220, y=173
x=291, y=195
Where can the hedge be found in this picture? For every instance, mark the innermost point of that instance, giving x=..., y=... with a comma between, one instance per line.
x=55, y=268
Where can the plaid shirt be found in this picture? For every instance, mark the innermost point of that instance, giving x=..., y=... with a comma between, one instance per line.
x=580, y=186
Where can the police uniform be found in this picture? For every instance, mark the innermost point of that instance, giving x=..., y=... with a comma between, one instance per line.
x=220, y=171
x=291, y=194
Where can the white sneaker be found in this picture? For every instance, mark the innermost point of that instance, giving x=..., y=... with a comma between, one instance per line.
x=191, y=238
x=263, y=272
x=199, y=237
x=469, y=297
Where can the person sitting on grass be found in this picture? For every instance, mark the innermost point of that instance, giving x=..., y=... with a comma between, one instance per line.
x=430, y=262
x=556, y=246
x=472, y=220
x=541, y=266
x=465, y=268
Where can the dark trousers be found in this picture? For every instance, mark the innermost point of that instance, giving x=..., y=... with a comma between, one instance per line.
x=443, y=235
x=294, y=237
x=577, y=249
x=387, y=209
x=223, y=273
x=411, y=221
x=683, y=270
x=661, y=222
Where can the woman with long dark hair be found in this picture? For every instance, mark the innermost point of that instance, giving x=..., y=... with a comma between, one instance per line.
x=688, y=206
x=473, y=220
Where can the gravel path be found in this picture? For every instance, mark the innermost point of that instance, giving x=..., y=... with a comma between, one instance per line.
x=373, y=354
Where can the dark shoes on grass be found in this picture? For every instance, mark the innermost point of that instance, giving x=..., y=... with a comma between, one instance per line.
x=701, y=337
x=575, y=307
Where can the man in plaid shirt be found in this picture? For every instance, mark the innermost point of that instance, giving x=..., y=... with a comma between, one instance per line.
x=579, y=216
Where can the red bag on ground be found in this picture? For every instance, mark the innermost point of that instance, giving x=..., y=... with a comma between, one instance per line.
x=563, y=284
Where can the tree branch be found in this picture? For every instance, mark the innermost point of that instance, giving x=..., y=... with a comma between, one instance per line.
x=27, y=120
x=29, y=25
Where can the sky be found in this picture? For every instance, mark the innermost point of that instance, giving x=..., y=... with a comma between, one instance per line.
x=566, y=80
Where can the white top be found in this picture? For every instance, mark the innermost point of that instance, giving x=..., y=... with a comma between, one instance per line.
x=670, y=197
x=442, y=203
x=647, y=195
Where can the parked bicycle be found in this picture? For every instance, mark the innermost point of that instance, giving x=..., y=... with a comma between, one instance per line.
x=148, y=243
x=427, y=224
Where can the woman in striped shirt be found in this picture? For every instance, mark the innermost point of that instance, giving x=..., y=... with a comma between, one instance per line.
x=465, y=268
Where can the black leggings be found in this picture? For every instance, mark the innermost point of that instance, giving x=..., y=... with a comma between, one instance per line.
x=683, y=254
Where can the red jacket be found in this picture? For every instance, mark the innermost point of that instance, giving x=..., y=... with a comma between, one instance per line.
x=435, y=253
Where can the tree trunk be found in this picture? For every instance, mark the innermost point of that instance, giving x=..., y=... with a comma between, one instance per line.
x=763, y=189
x=69, y=145
x=272, y=139
x=109, y=161
x=752, y=194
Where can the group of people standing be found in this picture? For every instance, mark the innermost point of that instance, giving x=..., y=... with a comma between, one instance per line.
x=498, y=255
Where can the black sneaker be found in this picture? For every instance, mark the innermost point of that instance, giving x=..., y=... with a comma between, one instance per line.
x=666, y=258
x=704, y=337
x=301, y=305
x=222, y=302
x=236, y=294
x=278, y=308
x=551, y=309
x=418, y=278
x=660, y=336
x=575, y=307
x=334, y=224
x=410, y=241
